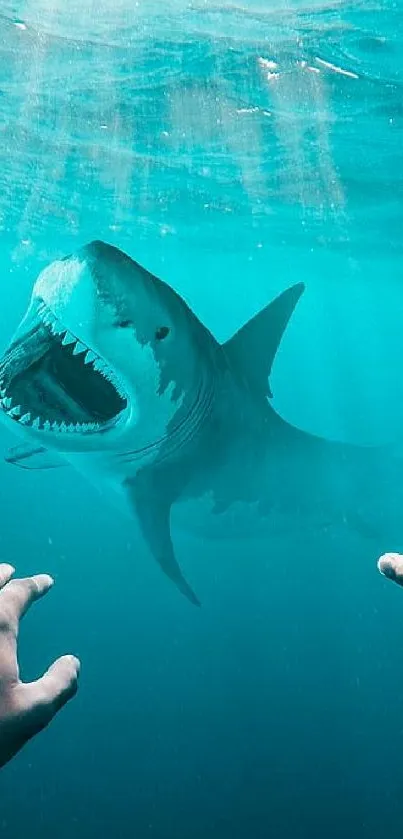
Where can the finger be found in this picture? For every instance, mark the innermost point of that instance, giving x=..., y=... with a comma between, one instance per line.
x=18, y=596
x=59, y=684
x=391, y=566
x=6, y=572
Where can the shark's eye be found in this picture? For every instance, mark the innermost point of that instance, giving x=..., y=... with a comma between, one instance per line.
x=162, y=333
x=123, y=324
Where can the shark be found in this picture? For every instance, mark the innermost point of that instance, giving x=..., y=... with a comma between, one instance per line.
x=112, y=373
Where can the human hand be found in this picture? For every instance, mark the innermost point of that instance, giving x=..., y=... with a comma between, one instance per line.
x=391, y=566
x=25, y=709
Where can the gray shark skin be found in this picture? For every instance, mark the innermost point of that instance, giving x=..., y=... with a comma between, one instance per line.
x=111, y=372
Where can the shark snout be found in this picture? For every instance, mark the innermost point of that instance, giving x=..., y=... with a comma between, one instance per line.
x=68, y=289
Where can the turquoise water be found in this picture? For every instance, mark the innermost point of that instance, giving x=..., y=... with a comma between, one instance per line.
x=233, y=151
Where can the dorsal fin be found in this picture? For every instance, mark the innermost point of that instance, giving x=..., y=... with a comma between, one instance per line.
x=251, y=351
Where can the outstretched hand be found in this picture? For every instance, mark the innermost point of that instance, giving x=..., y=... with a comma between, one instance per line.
x=391, y=566
x=25, y=709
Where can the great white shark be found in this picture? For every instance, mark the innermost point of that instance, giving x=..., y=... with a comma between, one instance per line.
x=111, y=372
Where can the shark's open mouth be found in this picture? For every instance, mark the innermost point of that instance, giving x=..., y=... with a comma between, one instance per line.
x=62, y=386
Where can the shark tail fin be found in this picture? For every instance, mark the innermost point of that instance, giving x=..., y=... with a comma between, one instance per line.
x=253, y=348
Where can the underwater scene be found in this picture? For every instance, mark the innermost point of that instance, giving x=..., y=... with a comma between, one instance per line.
x=201, y=388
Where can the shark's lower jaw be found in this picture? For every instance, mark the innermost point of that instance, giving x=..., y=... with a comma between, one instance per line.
x=62, y=387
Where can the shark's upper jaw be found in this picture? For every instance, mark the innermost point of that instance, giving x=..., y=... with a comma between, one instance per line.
x=51, y=382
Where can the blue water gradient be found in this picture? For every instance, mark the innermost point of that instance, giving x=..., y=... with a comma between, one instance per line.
x=233, y=150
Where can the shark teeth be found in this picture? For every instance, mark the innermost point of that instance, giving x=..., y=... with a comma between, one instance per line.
x=15, y=412
x=37, y=424
x=49, y=319
x=67, y=339
x=79, y=348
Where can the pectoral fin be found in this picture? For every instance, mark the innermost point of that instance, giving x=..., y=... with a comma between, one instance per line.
x=153, y=512
x=33, y=458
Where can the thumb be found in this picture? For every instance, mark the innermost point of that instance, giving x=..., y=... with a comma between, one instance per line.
x=48, y=694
